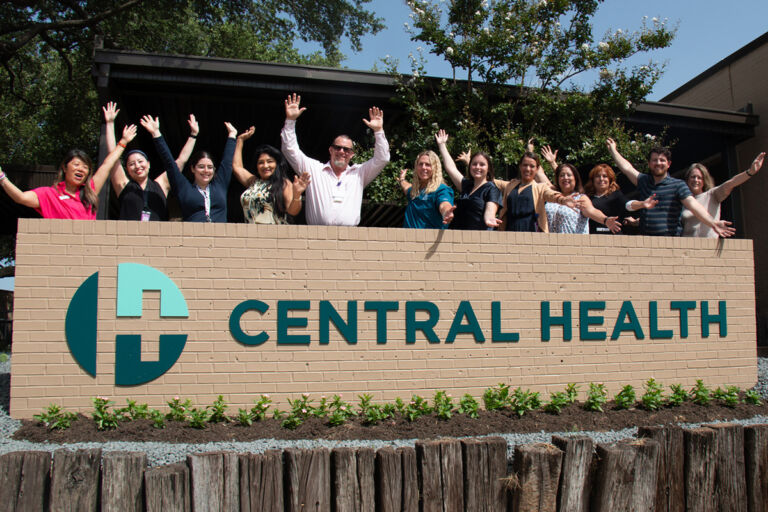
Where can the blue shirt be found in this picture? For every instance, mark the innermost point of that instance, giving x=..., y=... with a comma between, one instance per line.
x=424, y=210
x=664, y=218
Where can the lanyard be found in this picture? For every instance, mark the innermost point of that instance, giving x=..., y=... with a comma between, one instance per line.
x=206, y=201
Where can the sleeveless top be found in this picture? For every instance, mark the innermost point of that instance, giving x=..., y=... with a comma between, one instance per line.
x=521, y=212
x=563, y=219
x=258, y=207
x=132, y=199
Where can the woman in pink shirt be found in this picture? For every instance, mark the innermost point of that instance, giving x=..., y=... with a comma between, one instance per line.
x=76, y=193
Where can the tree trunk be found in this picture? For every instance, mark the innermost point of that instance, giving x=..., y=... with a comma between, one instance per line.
x=627, y=476
x=730, y=479
x=25, y=481
x=261, y=482
x=122, y=481
x=167, y=488
x=700, y=462
x=537, y=467
x=75, y=480
x=671, y=490
x=756, y=464
x=308, y=476
x=575, y=478
x=485, y=467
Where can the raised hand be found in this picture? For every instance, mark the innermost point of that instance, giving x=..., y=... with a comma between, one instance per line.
x=464, y=156
x=448, y=215
x=247, y=134
x=300, y=184
x=757, y=163
x=152, y=125
x=110, y=112
x=292, y=108
x=613, y=224
x=651, y=202
x=376, y=119
x=231, y=130
x=129, y=133
x=570, y=202
x=529, y=145
x=194, y=128
x=611, y=144
x=441, y=137
x=403, y=172
x=549, y=155
x=723, y=229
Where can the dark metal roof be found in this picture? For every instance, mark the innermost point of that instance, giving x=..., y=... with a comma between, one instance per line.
x=738, y=54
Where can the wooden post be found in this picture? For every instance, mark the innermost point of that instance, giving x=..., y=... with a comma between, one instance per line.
x=167, y=488
x=75, y=480
x=700, y=462
x=730, y=478
x=756, y=464
x=485, y=467
x=670, y=494
x=261, y=482
x=308, y=475
x=397, y=487
x=537, y=467
x=353, y=479
x=627, y=476
x=122, y=481
x=206, y=471
x=576, y=477
x=441, y=475
x=25, y=481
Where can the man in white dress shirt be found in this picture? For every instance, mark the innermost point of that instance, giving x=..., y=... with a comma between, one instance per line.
x=335, y=190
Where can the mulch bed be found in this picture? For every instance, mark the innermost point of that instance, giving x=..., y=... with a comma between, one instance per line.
x=571, y=419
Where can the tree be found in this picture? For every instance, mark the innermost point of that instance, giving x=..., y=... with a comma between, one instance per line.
x=514, y=64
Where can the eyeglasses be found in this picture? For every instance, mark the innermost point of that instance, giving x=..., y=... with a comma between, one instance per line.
x=342, y=148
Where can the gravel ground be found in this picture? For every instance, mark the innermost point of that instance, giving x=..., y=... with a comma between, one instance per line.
x=162, y=453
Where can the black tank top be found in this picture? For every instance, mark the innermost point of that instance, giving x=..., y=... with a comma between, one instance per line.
x=521, y=212
x=132, y=201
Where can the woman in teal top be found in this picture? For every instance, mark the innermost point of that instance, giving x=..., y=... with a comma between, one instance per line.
x=430, y=201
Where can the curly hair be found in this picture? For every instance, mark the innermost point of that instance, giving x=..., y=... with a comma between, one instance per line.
x=437, y=174
x=590, y=186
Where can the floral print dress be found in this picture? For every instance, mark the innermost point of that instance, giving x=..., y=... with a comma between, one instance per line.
x=258, y=206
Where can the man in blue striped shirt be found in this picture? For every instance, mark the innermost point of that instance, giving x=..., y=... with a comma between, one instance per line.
x=666, y=196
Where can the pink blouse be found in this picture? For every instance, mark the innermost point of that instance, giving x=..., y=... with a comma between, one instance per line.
x=57, y=203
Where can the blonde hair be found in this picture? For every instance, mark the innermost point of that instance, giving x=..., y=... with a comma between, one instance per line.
x=708, y=182
x=437, y=174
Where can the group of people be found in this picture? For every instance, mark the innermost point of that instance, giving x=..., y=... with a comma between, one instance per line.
x=333, y=191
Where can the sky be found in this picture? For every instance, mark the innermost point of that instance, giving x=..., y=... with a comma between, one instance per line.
x=708, y=31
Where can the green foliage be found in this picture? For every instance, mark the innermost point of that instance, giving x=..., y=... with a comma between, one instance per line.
x=443, y=405
x=701, y=394
x=596, y=397
x=218, y=411
x=557, y=401
x=414, y=409
x=198, y=417
x=678, y=395
x=572, y=392
x=158, y=420
x=178, y=410
x=260, y=408
x=496, y=398
x=625, y=398
x=729, y=396
x=524, y=401
x=134, y=411
x=514, y=65
x=55, y=418
x=244, y=417
x=104, y=418
x=653, y=399
x=301, y=409
x=341, y=411
x=752, y=397
x=370, y=412
x=469, y=406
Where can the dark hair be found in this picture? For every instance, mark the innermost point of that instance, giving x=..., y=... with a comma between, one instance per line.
x=590, y=186
x=660, y=150
x=576, y=177
x=532, y=156
x=276, y=181
x=87, y=195
x=488, y=160
x=199, y=155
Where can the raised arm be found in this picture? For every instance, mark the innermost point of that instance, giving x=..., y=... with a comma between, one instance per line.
x=621, y=162
x=172, y=171
x=721, y=227
x=299, y=185
x=189, y=146
x=238, y=170
x=300, y=162
x=371, y=168
x=648, y=204
x=441, y=137
x=224, y=172
x=404, y=185
x=118, y=177
x=723, y=191
x=25, y=198
x=104, y=170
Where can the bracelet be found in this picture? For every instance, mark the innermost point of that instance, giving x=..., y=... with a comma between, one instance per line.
x=121, y=145
x=2, y=175
x=192, y=136
x=748, y=174
x=605, y=220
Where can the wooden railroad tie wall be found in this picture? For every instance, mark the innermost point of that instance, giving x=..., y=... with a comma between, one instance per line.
x=718, y=468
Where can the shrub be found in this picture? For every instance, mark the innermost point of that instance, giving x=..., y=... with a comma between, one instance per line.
x=524, y=401
x=700, y=394
x=178, y=409
x=104, y=418
x=496, y=398
x=56, y=418
x=218, y=410
x=469, y=406
x=625, y=398
x=678, y=395
x=596, y=398
x=572, y=392
x=752, y=397
x=653, y=399
x=557, y=401
x=442, y=405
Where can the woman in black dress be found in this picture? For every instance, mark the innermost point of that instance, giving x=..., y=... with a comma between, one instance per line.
x=140, y=197
x=479, y=199
x=606, y=196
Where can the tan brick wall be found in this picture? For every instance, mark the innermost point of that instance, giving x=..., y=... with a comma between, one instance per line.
x=218, y=266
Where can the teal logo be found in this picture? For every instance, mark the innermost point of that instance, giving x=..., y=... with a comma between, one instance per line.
x=81, y=328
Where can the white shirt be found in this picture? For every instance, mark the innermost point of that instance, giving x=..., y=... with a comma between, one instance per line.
x=332, y=200
x=692, y=226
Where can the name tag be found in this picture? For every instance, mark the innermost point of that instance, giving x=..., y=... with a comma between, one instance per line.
x=63, y=197
x=338, y=193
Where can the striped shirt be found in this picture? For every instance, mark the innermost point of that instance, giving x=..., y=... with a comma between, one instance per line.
x=664, y=219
